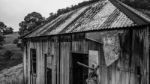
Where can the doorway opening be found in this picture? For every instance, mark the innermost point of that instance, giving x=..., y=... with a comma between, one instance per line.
x=48, y=69
x=49, y=76
x=79, y=72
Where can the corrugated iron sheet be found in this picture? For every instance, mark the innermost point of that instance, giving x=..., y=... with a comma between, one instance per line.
x=53, y=27
x=100, y=15
x=144, y=16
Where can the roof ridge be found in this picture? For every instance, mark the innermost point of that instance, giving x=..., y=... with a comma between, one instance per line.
x=136, y=11
x=130, y=12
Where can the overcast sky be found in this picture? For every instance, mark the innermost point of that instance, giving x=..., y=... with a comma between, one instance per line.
x=12, y=12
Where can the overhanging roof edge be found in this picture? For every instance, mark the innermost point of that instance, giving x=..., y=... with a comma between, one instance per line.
x=99, y=30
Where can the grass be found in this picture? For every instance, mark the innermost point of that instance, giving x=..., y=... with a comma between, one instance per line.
x=9, y=45
x=10, y=38
x=9, y=63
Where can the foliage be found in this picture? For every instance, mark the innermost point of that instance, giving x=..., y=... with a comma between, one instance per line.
x=34, y=19
x=4, y=29
x=8, y=30
x=15, y=41
x=31, y=21
x=8, y=54
x=20, y=45
x=1, y=40
x=2, y=26
x=15, y=57
x=67, y=9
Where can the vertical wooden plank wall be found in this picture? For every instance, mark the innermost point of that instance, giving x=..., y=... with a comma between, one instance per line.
x=25, y=64
x=148, y=46
x=38, y=47
x=28, y=62
x=51, y=52
x=56, y=53
x=44, y=49
x=80, y=46
x=146, y=54
x=127, y=74
x=64, y=67
x=113, y=74
x=40, y=61
x=53, y=49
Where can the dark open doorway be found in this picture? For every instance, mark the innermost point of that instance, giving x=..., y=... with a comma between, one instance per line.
x=49, y=76
x=79, y=73
x=48, y=69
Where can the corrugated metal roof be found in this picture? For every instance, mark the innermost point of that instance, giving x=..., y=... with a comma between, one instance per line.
x=97, y=16
x=57, y=24
x=137, y=12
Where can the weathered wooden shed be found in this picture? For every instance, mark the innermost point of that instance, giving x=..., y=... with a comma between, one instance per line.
x=107, y=33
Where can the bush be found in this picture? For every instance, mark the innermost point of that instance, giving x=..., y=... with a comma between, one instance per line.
x=15, y=41
x=20, y=45
x=17, y=56
x=8, y=30
x=1, y=40
x=8, y=54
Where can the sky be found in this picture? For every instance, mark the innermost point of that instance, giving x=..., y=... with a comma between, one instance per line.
x=12, y=12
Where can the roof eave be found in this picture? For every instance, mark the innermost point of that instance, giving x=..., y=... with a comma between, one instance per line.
x=99, y=30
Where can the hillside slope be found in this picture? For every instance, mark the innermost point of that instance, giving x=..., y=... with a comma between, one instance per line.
x=13, y=75
x=16, y=58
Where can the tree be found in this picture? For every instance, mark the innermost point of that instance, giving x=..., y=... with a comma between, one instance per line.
x=2, y=26
x=15, y=41
x=31, y=21
x=8, y=54
x=67, y=9
x=8, y=30
x=1, y=40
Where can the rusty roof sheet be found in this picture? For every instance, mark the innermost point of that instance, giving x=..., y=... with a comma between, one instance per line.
x=96, y=16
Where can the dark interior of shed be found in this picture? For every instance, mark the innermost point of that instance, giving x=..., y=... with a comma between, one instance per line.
x=79, y=73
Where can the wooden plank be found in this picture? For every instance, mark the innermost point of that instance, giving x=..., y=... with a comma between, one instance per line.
x=43, y=65
x=80, y=47
x=28, y=62
x=65, y=55
x=51, y=50
x=56, y=53
x=25, y=64
x=108, y=75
